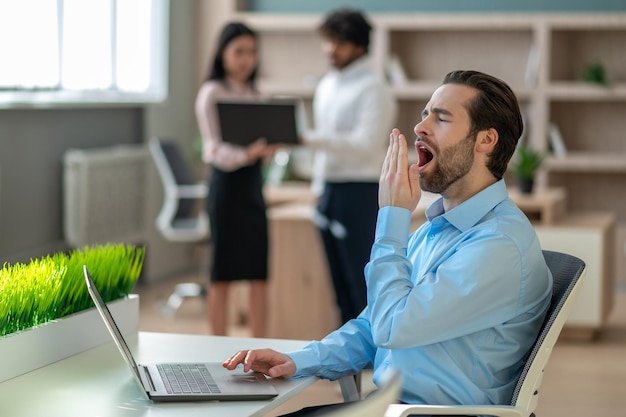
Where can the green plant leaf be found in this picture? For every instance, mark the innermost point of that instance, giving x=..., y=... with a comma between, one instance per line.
x=51, y=287
x=527, y=162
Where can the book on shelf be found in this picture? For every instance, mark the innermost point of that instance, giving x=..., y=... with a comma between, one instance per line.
x=395, y=72
x=556, y=142
x=532, y=66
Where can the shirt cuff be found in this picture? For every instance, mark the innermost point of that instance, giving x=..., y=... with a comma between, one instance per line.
x=393, y=222
x=312, y=139
x=306, y=360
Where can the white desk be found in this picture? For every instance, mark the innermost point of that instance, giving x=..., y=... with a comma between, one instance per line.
x=98, y=382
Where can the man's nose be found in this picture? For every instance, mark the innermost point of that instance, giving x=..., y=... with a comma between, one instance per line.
x=420, y=128
x=330, y=47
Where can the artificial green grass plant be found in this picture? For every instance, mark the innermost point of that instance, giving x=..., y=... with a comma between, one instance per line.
x=51, y=287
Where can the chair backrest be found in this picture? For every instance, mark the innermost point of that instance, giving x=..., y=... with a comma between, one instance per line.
x=180, y=219
x=376, y=403
x=174, y=171
x=568, y=276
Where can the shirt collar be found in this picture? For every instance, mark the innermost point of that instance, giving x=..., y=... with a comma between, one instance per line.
x=468, y=213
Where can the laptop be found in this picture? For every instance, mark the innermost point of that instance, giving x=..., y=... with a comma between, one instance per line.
x=184, y=381
x=243, y=122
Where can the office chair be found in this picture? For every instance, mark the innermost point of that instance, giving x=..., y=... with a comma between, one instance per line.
x=182, y=217
x=568, y=276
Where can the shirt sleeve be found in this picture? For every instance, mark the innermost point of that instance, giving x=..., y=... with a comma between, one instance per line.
x=475, y=286
x=343, y=352
x=223, y=155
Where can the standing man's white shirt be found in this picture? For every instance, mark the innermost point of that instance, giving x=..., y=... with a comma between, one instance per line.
x=354, y=113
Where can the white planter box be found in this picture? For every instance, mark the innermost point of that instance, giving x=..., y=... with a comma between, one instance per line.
x=39, y=346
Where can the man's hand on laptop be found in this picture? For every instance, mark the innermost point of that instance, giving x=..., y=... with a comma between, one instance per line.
x=266, y=361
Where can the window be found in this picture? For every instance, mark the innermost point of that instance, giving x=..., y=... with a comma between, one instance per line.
x=77, y=51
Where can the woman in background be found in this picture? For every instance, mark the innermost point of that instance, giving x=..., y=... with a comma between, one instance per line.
x=235, y=204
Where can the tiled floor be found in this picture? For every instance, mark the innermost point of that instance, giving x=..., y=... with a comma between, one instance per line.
x=582, y=379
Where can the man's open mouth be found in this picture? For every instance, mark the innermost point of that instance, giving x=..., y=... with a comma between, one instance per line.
x=424, y=155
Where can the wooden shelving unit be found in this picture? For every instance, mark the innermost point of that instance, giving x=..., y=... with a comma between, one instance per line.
x=541, y=55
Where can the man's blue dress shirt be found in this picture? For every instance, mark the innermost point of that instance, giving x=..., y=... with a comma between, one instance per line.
x=454, y=307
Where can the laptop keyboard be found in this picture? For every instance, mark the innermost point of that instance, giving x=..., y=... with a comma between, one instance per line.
x=187, y=379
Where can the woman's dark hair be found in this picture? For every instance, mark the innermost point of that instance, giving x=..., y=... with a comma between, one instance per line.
x=230, y=32
x=496, y=107
x=347, y=25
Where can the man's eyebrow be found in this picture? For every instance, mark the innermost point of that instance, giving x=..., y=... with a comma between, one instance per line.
x=438, y=110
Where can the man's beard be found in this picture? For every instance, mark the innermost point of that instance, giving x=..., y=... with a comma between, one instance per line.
x=340, y=65
x=452, y=164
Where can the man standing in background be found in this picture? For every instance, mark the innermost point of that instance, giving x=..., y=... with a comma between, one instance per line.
x=353, y=111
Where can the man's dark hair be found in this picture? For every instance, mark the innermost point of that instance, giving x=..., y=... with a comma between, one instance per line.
x=347, y=25
x=496, y=107
x=229, y=33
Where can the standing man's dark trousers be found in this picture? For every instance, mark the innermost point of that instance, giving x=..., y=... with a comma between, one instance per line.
x=346, y=218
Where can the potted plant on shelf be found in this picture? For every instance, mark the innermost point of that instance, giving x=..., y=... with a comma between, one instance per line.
x=525, y=165
x=46, y=312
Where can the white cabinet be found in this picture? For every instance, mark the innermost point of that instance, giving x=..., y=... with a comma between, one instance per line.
x=589, y=237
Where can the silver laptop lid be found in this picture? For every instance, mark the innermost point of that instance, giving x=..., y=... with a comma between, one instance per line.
x=232, y=385
x=111, y=325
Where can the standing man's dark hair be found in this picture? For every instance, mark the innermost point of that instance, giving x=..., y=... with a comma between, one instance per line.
x=347, y=25
x=495, y=107
x=230, y=32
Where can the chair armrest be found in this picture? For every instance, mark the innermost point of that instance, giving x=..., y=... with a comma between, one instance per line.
x=192, y=191
x=405, y=410
x=349, y=388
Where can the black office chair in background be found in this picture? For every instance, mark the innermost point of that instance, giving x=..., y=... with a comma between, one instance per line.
x=182, y=217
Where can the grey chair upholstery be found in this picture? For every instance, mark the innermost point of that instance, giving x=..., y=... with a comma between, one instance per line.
x=568, y=276
x=182, y=217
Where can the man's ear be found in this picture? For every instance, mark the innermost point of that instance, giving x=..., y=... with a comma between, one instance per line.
x=487, y=140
